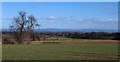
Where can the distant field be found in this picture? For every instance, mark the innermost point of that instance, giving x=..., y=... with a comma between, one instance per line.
x=75, y=41
x=62, y=39
x=60, y=52
x=82, y=40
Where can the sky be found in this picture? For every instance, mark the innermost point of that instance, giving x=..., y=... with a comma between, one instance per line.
x=65, y=15
x=60, y=0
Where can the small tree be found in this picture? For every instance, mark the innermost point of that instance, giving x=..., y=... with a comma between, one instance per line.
x=22, y=26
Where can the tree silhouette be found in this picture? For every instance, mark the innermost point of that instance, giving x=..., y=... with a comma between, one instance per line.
x=22, y=26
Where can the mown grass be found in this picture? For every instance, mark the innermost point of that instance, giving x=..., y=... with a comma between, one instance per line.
x=60, y=52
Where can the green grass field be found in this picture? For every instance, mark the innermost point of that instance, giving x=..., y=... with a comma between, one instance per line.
x=60, y=52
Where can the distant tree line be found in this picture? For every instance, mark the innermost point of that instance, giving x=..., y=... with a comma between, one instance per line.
x=77, y=35
x=86, y=35
x=38, y=36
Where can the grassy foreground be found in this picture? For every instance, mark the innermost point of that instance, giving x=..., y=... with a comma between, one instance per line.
x=60, y=52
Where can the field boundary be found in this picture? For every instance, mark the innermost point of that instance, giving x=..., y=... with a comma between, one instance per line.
x=76, y=42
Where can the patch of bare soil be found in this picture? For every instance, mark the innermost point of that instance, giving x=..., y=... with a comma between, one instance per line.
x=78, y=42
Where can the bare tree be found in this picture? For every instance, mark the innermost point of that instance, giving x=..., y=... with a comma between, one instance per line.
x=22, y=26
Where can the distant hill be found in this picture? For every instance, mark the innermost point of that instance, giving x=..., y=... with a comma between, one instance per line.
x=73, y=30
x=69, y=30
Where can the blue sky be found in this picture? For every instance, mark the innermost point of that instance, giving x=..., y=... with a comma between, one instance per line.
x=60, y=0
x=65, y=15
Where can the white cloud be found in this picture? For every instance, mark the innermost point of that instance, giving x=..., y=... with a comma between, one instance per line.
x=98, y=23
x=56, y=18
x=51, y=18
x=108, y=20
x=97, y=20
